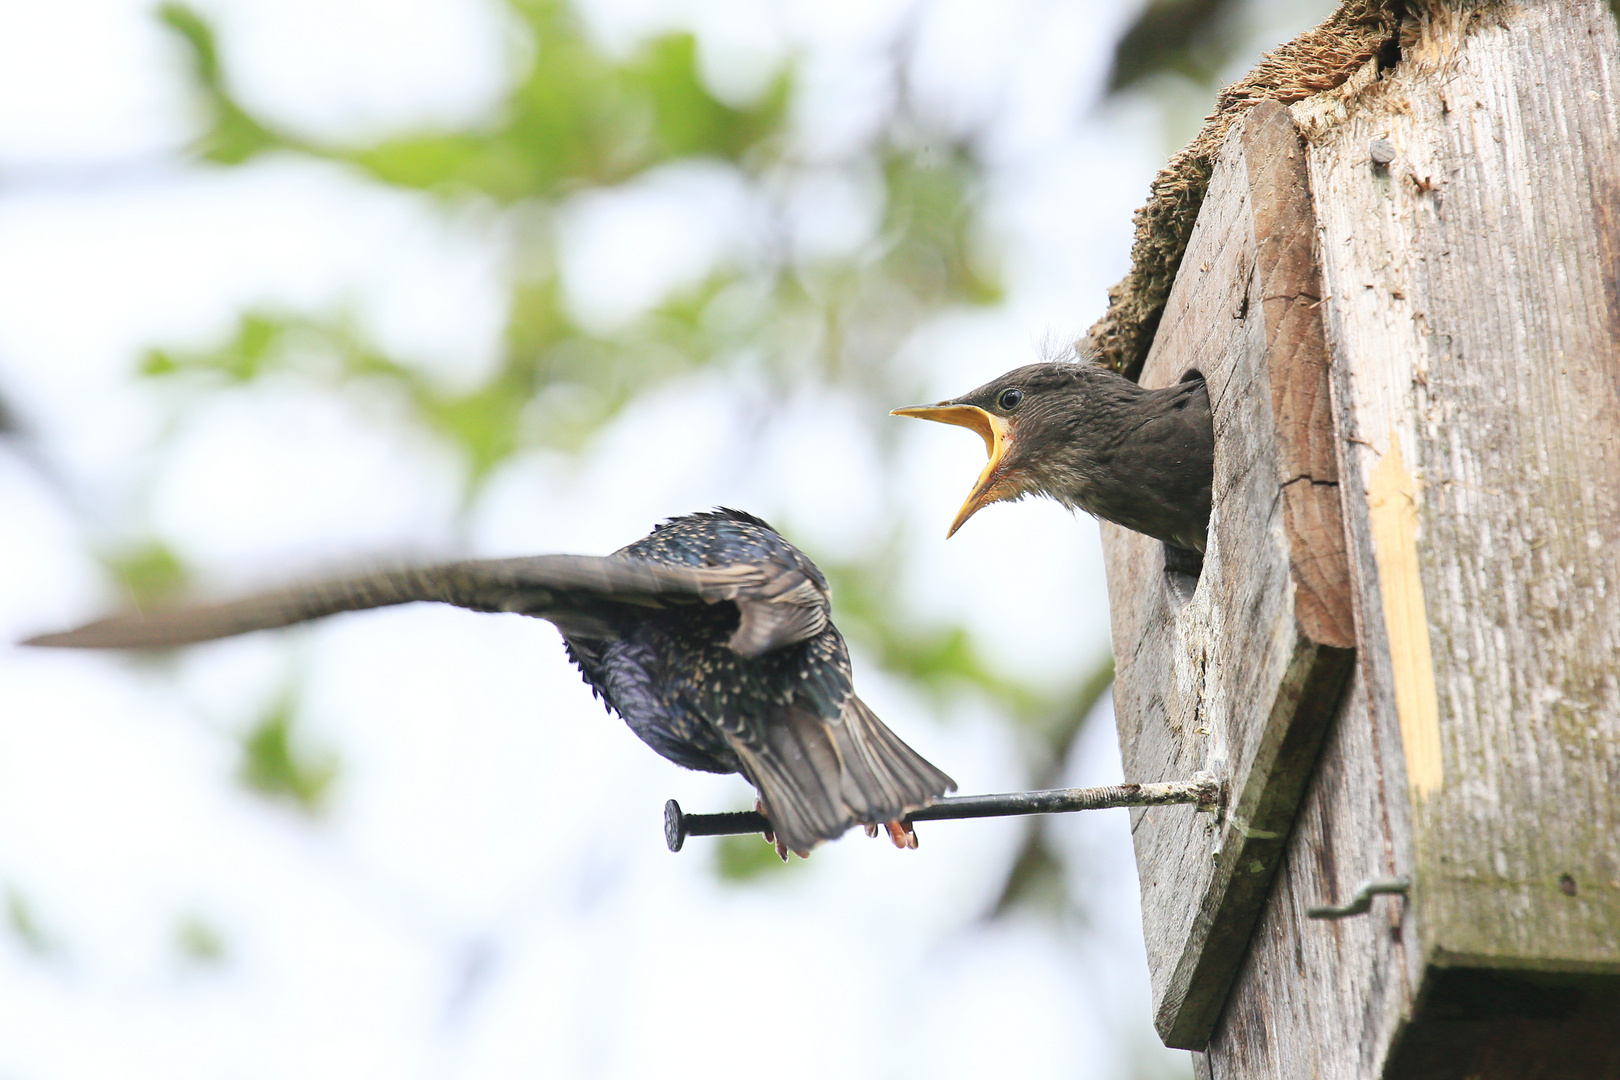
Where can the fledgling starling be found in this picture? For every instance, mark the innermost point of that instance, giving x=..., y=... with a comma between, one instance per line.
x=710, y=637
x=1094, y=441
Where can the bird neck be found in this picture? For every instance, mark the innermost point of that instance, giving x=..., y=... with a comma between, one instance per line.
x=1136, y=457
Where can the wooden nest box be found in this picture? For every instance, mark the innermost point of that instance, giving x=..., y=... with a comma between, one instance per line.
x=1403, y=652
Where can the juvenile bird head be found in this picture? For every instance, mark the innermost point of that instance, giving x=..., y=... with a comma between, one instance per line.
x=1028, y=419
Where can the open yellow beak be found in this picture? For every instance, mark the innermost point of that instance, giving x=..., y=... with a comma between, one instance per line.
x=997, y=435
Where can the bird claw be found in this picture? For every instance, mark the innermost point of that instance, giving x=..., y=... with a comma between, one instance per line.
x=770, y=836
x=902, y=833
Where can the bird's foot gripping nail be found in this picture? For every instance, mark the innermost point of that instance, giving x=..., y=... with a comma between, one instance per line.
x=759, y=808
x=902, y=833
x=782, y=850
x=772, y=838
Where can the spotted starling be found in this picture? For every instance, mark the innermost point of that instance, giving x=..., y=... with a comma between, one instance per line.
x=1094, y=441
x=710, y=636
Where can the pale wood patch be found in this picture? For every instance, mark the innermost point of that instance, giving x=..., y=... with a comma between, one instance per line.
x=1392, y=513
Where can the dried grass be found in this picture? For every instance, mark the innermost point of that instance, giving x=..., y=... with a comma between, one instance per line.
x=1321, y=59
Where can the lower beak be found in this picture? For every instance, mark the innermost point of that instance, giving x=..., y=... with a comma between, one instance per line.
x=997, y=435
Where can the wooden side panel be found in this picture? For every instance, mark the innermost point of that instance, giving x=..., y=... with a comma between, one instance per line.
x=1241, y=679
x=1475, y=321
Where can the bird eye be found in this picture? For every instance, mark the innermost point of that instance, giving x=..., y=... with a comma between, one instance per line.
x=1009, y=399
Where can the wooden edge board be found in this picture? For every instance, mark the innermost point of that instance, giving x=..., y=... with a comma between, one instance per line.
x=1257, y=831
x=1245, y=677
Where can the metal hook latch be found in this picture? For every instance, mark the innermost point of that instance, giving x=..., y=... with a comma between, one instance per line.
x=1361, y=902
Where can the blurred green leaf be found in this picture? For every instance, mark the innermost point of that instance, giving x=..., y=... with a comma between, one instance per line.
x=577, y=117
x=25, y=925
x=739, y=859
x=243, y=357
x=151, y=572
x=232, y=135
x=688, y=121
x=197, y=941
x=929, y=221
x=274, y=765
x=439, y=159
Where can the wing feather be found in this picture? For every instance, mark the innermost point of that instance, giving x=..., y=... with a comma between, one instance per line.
x=539, y=585
x=789, y=608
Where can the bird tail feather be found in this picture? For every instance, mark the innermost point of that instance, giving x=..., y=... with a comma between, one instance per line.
x=818, y=778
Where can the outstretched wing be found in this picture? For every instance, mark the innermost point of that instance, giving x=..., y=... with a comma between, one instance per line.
x=775, y=605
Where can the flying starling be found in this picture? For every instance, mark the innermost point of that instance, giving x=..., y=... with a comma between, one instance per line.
x=1094, y=441
x=710, y=637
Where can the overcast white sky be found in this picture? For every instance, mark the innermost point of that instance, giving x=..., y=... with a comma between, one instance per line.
x=489, y=895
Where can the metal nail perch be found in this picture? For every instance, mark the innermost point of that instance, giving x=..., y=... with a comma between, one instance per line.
x=1362, y=900
x=1203, y=791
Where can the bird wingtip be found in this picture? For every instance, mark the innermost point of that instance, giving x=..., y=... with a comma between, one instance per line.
x=56, y=639
x=63, y=639
x=111, y=633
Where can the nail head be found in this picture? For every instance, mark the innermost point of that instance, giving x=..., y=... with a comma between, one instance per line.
x=674, y=825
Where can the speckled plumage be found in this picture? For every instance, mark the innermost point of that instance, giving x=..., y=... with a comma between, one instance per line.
x=672, y=675
x=710, y=637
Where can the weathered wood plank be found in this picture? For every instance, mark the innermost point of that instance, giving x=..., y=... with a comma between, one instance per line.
x=1474, y=323
x=1324, y=1000
x=1474, y=312
x=1297, y=368
x=1242, y=678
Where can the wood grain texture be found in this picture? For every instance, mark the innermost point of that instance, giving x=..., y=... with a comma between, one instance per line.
x=1242, y=678
x=1473, y=308
x=1474, y=321
x=1325, y=999
x=1297, y=369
